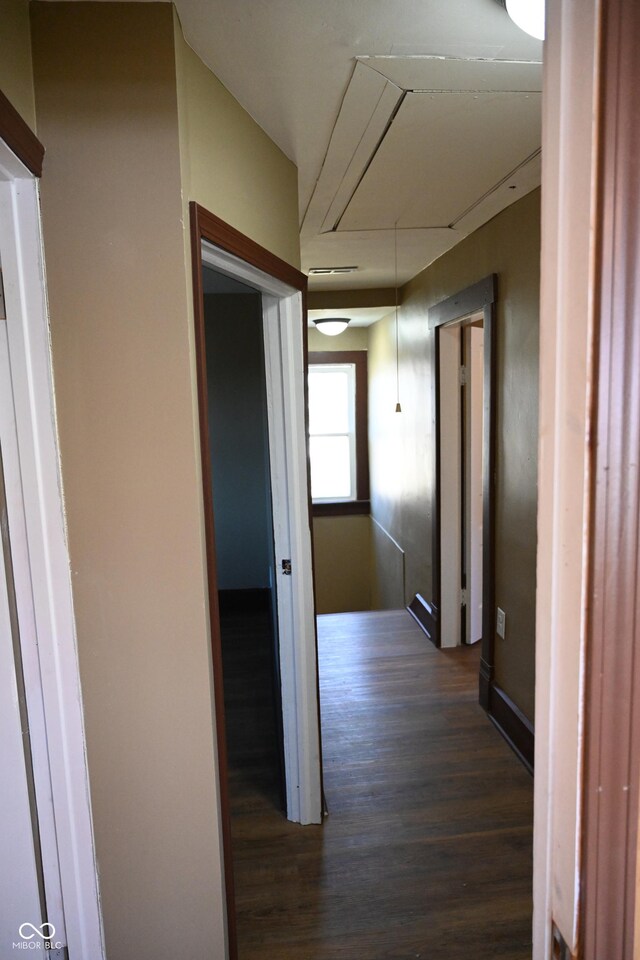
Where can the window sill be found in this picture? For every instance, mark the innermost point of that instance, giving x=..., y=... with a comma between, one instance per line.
x=342, y=508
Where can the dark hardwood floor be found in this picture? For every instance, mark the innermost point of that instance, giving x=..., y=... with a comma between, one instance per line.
x=251, y=707
x=426, y=852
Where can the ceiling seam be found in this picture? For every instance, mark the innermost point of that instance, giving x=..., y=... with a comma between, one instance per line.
x=371, y=158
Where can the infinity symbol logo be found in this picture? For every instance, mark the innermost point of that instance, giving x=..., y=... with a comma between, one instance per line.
x=37, y=930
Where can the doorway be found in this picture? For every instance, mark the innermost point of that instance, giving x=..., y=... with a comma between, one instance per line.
x=280, y=289
x=463, y=459
x=245, y=567
x=461, y=391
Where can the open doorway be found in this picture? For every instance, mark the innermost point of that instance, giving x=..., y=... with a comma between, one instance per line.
x=460, y=553
x=251, y=394
x=461, y=391
x=245, y=569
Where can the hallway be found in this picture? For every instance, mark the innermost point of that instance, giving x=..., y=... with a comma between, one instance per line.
x=426, y=851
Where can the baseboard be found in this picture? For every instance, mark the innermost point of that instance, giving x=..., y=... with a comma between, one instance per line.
x=427, y=617
x=512, y=724
x=484, y=684
x=254, y=600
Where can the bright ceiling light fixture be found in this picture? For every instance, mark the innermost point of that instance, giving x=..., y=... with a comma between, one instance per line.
x=528, y=15
x=332, y=326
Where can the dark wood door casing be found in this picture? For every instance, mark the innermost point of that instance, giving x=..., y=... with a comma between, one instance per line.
x=19, y=136
x=612, y=695
x=481, y=298
x=206, y=226
x=478, y=298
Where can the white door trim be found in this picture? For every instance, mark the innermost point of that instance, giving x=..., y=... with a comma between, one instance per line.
x=571, y=105
x=56, y=654
x=284, y=368
x=450, y=486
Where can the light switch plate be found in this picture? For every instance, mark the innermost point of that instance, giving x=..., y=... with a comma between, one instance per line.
x=501, y=619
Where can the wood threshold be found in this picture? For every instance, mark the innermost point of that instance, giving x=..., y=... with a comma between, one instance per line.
x=19, y=136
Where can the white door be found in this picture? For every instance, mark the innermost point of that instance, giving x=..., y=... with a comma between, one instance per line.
x=473, y=437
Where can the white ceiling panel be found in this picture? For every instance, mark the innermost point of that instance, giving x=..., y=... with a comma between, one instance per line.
x=517, y=185
x=372, y=251
x=454, y=73
x=441, y=154
x=368, y=105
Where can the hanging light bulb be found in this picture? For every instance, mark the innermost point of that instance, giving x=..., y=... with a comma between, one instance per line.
x=528, y=15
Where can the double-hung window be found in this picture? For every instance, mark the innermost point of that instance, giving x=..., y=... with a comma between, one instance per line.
x=338, y=431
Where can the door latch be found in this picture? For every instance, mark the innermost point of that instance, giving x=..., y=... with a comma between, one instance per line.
x=286, y=568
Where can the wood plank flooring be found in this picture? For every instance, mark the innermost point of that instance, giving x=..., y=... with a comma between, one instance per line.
x=426, y=852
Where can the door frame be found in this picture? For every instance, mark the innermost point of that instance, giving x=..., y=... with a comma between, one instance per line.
x=283, y=291
x=587, y=785
x=478, y=298
x=452, y=478
x=49, y=649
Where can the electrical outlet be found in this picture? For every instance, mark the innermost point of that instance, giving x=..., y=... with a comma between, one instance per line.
x=501, y=622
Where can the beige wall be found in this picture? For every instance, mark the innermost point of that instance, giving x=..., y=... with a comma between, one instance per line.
x=401, y=444
x=387, y=570
x=16, y=77
x=230, y=166
x=342, y=560
x=111, y=114
x=353, y=338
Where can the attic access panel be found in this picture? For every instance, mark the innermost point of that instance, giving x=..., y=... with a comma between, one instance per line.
x=443, y=152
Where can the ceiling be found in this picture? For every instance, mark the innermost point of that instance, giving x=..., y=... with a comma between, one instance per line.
x=411, y=122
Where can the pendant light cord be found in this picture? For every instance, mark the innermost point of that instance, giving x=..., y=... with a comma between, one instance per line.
x=398, y=407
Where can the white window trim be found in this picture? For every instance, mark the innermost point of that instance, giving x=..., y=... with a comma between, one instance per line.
x=350, y=369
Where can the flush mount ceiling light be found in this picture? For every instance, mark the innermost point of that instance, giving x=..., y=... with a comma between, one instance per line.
x=527, y=14
x=332, y=326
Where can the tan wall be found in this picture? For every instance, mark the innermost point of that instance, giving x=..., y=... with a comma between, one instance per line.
x=401, y=444
x=16, y=76
x=342, y=559
x=119, y=284
x=353, y=338
x=387, y=570
x=230, y=166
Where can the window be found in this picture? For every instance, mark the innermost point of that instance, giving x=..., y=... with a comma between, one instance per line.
x=338, y=432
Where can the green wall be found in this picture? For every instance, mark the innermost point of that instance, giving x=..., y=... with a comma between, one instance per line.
x=401, y=445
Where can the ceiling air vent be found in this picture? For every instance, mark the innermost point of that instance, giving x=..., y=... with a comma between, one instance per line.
x=325, y=271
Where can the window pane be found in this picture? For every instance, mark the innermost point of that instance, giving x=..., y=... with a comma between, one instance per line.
x=330, y=468
x=328, y=401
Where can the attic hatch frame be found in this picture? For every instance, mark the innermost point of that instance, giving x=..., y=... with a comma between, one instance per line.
x=283, y=288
